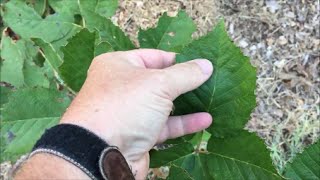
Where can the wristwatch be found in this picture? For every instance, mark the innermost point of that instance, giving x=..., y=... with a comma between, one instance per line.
x=85, y=150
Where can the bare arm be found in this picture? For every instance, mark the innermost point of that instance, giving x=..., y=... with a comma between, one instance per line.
x=45, y=166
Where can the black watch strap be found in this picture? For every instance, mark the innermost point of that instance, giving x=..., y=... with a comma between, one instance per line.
x=85, y=150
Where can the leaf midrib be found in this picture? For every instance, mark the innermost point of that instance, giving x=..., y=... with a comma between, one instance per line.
x=29, y=119
x=45, y=20
x=233, y=159
x=165, y=32
x=230, y=158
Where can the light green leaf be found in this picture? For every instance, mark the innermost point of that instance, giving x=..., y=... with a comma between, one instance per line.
x=25, y=117
x=12, y=63
x=78, y=55
x=107, y=30
x=18, y=67
x=24, y=21
x=68, y=7
x=50, y=54
x=229, y=94
x=38, y=5
x=305, y=165
x=105, y=8
x=171, y=34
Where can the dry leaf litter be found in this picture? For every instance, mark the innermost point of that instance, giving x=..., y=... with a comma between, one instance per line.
x=282, y=39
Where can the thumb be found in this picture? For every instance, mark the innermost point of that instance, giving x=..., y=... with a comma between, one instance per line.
x=184, y=77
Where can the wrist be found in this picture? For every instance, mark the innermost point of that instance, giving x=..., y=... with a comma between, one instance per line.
x=45, y=165
x=85, y=150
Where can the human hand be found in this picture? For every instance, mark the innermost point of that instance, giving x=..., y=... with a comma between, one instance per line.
x=127, y=99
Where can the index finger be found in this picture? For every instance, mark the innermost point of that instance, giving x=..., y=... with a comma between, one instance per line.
x=151, y=58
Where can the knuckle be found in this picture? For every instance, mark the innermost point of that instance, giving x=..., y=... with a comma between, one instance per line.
x=159, y=77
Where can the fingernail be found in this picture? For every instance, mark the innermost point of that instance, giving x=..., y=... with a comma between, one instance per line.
x=205, y=65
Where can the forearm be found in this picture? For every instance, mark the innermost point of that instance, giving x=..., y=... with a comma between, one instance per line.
x=46, y=166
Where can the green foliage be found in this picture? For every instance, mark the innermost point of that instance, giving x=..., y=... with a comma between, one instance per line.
x=78, y=55
x=4, y=92
x=171, y=34
x=27, y=114
x=68, y=34
x=24, y=20
x=237, y=147
x=18, y=67
x=305, y=165
x=229, y=94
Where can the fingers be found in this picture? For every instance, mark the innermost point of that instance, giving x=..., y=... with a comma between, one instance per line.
x=177, y=126
x=151, y=58
x=187, y=76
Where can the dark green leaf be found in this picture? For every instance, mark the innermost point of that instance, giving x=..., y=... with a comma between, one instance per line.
x=102, y=47
x=178, y=173
x=24, y=118
x=229, y=94
x=305, y=165
x=4, y=92
x=78, y=55
x=215, y=166
x=171, y=34
x=246, y=147
x=163, y=157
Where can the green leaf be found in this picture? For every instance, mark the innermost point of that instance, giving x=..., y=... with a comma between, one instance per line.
x=50, y=54
x=38, y=5
x=69, y=7
x=242, y=157
x=178, y=173
x=102, y=47
x=25, y=117
x=12, y=63
x=245, y=147
x=229, y=94
x=163, y=157
x=305, y=165
x=4, y=92
x=18, y=67
x=25, y=21
x=215, y=166
x=171, y=34
x=107, y=30
x=105, y=8
x=229, y=97
x=78, y=55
